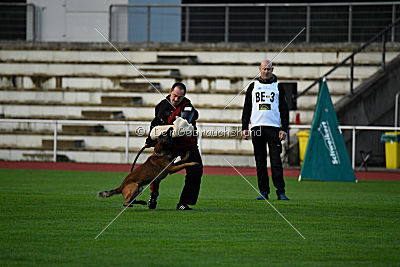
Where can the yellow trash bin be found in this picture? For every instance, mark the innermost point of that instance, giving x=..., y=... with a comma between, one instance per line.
x=303, y=139
x=392, y=149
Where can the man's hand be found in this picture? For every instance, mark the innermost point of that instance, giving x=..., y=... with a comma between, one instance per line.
x=245, y=134
x=282, y=135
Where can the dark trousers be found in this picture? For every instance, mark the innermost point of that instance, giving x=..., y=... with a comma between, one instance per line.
x=261, y=136
x=191, y=189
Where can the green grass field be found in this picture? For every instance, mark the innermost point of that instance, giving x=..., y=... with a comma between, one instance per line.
x=52, y=218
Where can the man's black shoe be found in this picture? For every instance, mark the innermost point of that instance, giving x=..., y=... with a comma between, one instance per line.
x=282, y=197
x=183, y=207
x=153, y=200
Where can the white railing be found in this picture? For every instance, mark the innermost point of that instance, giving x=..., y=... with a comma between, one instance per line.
x=353, y=134
x=145, y=126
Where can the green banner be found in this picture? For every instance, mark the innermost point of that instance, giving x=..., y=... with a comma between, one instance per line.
x=326, y=155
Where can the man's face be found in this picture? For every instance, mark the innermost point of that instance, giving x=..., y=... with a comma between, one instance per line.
x=266, y=70
x=177, y=95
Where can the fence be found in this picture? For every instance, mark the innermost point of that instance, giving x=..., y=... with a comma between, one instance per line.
x=56, y=124
x=270, y=22
x=381, y=34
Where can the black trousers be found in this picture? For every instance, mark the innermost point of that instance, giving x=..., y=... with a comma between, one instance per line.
x=261, y=136
x=191, y=189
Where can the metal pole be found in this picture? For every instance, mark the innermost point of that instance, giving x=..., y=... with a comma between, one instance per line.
x=148, y=23
x=393, y=19
x=396, y=110
x=350, y=24
x=127, y=143
x=55, y=142
x=266, y=24
x=308, y=24
x=383, y=64
x=109, y=22
x=226, y=24
x=187, y=24
x=351, y=74
x=353, y=148
x=33, y=22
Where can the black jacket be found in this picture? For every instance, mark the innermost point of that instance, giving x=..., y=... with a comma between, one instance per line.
x=283, y=106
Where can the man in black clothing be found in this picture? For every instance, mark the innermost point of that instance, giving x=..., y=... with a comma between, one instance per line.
x=266, y=106
x=176, y=104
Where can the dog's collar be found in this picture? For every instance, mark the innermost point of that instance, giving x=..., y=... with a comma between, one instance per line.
x=158, y=154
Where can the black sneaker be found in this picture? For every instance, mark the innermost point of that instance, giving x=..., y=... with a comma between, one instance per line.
x=153, y=200
x=282, y=197
x=183, y=207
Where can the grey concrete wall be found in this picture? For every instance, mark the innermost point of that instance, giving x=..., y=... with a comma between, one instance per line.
x=73, y=20
x=372, y=105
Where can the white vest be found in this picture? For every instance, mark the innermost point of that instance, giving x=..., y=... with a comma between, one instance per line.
x=265, y=108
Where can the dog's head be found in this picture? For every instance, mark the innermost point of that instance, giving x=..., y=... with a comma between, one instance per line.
x=164, y=142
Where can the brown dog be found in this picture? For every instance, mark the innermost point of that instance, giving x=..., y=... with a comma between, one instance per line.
x=156, y=168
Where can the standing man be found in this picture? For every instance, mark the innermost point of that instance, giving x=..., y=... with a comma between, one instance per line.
x=266, y=106
x=176, y=104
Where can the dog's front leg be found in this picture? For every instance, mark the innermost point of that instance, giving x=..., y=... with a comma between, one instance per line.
x=182, y=159
x=185, y=157
x=174, y=169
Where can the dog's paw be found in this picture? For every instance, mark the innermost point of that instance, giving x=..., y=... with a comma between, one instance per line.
x=101, y=194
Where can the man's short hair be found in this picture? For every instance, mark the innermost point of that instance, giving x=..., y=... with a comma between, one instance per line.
x=180, y=85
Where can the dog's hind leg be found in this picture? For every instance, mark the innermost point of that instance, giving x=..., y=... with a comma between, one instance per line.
x=110, y=193
x=137, y=193
x=131, y=192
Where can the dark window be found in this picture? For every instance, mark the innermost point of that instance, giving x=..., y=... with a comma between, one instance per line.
x=13, y=21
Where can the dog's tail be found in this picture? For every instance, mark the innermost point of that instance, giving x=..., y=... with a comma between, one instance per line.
x=110, y=193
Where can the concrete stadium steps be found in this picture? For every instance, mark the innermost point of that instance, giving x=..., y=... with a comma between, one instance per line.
x=102, y=114
x=195, y=84
x=98, y=83
x=64, y=144
x=304, y=55
x=57, y=111
x=187, y=71
x=205, y=70
x=83, y=129
x=92, y=96
x=105, y=97
x=121, y=100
